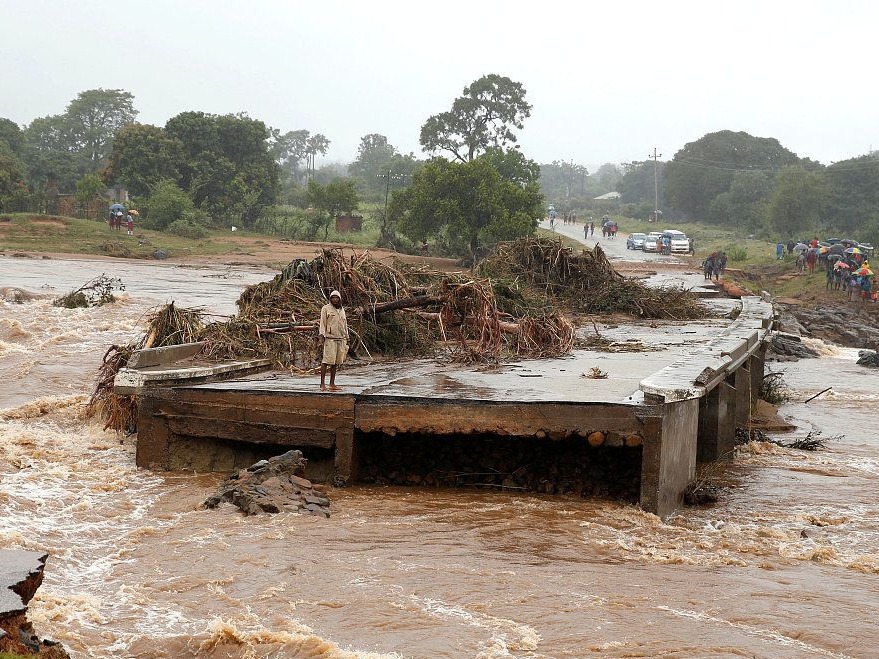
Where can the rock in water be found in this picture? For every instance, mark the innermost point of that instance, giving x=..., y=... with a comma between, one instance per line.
x=272, y=486
x=869, y=358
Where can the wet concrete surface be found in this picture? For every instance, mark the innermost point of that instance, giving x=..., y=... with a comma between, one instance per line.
x=639, y=349
x=17, y=569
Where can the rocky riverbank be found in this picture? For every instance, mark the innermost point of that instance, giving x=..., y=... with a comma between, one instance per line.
x=853, y=325
x=21, y=573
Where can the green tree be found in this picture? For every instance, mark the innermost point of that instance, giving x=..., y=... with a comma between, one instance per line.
x=11, y=134
x=561, y=180
x=637, y=185
x=94, y=117
x=465, y=201
x=376, y=158
x=705, y=168
x=228, y=167
x=142, y=156
x=48, y=152
x=746, y=203
x=854, y=192
x=89, y=188
x=513, y=166
x=485, y=116
x=167, y=204
x=329, y=201
x=608, y=177
x=12, y=181
x=798, y=201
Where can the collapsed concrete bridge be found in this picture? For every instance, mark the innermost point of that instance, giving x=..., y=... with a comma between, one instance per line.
x=646, y=425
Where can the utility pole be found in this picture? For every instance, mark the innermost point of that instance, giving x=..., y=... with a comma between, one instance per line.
x=656, y=156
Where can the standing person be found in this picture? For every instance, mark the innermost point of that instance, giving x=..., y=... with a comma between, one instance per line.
x=585, y=230
x=790, y=246
x=779, y=251
x=129, y=223
x=722, y=262
x=592, y=228
x=811, y=257
x=829, y=276
x=333, y=331
x=692, y=247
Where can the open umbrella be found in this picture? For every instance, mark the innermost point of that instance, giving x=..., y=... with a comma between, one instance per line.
x=823, y=250
x=117, y=207
x=842, y=265
x=133, y=212
x=864, y=272
x=853, y=250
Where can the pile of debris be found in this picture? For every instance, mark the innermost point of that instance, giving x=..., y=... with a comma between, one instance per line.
x=273, y=486
x=393, y=310
x=585, y=281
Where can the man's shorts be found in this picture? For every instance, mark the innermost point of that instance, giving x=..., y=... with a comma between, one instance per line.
x=335, y=351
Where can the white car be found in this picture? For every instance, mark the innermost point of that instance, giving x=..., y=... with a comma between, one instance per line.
x=680, y=244
x=651, y=240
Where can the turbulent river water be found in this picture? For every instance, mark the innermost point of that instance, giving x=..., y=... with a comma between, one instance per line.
x=785, y=566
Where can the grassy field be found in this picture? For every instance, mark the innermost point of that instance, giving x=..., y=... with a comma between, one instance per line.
x=24, y=232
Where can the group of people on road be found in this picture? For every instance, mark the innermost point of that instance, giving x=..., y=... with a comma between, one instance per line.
x=714, y=265
x=608, y=227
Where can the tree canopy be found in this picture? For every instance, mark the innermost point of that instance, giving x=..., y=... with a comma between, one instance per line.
x=376, y=159
x=798, y=200
x=142, y=156
x=705, y=168
x=483, y=117
x=465, y=202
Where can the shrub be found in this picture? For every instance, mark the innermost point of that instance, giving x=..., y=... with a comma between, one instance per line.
x=168, y=204
x=736, y=253
x=186, y=229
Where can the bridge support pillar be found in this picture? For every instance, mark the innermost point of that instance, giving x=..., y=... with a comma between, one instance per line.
x=717, y=435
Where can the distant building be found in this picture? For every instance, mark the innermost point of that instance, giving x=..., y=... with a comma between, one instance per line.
x=610, y=196
x=117, y=194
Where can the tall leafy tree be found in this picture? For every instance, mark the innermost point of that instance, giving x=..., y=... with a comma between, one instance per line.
x=94, y=117
x=48, y=151
x=562, y=180
x=705, y=168
x=142, y=156
x=854, y=192
x=745, y=204
x=11, y=134
x=798, y=201
x=637, y=183
x=467, y=202
x=295, y=150
x=376, y=160
x=483, y=117
x=229, y=167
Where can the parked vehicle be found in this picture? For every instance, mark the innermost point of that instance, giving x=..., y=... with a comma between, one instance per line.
x=635, y=241
x=651, y=242
x=680, y=244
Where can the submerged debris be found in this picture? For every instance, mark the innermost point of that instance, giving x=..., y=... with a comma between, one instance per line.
x=773, y=388
x=94, y=293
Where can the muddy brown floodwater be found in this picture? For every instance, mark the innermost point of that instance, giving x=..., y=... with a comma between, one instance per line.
x=785, y=566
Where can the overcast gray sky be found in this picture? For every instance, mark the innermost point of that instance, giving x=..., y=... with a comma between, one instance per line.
x=608, y=80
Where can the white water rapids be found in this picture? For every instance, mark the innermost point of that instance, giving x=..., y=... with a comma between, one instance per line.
x=785, y=566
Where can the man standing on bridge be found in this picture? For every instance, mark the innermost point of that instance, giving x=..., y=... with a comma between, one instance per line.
x=333, y=331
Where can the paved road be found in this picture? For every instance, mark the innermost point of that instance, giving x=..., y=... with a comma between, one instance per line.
x=615, y=248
